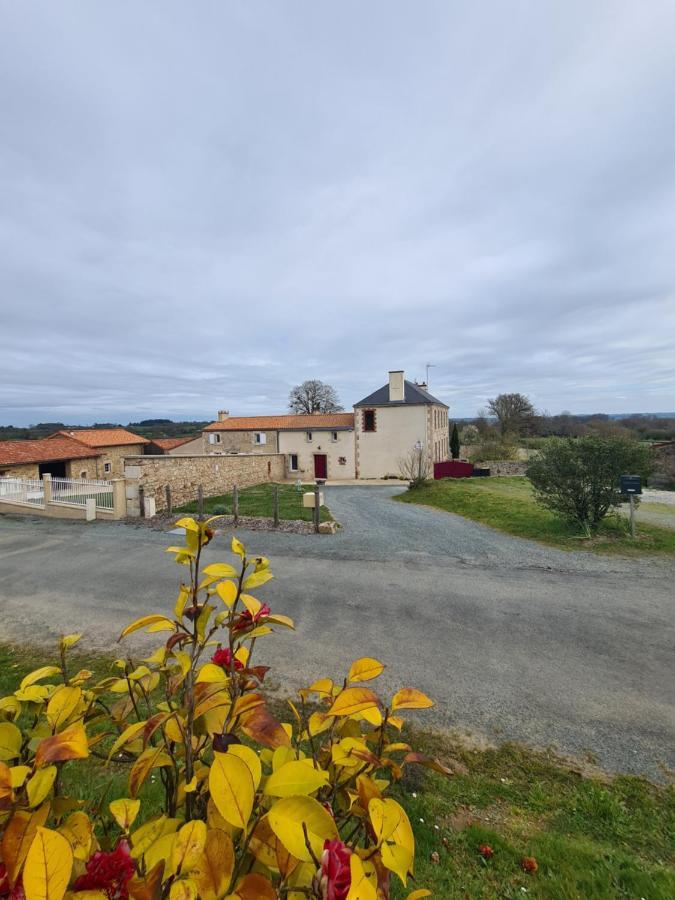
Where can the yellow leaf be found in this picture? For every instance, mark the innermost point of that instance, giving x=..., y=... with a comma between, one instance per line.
x=322, y=686
x=251, y=603
x=10, y=741
x=152, y=758
x=227, y=591
x=397, y=859
x=181, y=601
x=40, y=785
x=417, y=895
x=287, y=817
x=71, y=743
x=151, y=831
x=353, y=700
x=79, y=832
x=257, y=579
x=124, y=812
x=18, y=837
x=410, y=698
x=12, y=706
x=48, y=866
x=319, y=722
x=231, y=788
x=238, y=547
x=384, y=816
x=277, y=619
x=365, y=669
x=210, y=673
x=129, y=734
x=221, y=570
x=62, y=705
x=183, y=890
x=360, y=887
x=252, y=760
x=255, y=887
x=161, y=851
x=188, y=847
x=295, y=778
x=69, y=640
x=34, y=693
x=188, y=523
x=166, y=625
x=39, y=674
x=213, y=871
x=143, y=622
x=18, y=774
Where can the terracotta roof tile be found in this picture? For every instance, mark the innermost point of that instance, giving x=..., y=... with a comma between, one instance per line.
x=171, y=443
x=102, y=437
x=15, y=453
x=284, y=423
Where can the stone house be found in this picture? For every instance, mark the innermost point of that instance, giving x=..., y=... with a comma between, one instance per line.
x=314, y=446
x=61, y=457
x=396, y=418
x=112, y=445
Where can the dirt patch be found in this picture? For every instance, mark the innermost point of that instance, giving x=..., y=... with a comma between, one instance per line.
x=164, y=522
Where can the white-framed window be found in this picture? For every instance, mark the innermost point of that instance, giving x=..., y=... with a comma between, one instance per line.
x=334, y=436
x=214, y=439
x=292, y=462
x=309, y=435
x=107, y=467
x=259, y=437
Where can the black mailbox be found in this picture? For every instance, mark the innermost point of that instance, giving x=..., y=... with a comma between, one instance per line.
x=630, y=484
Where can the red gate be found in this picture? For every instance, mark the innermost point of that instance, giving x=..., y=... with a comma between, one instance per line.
x=453, y=468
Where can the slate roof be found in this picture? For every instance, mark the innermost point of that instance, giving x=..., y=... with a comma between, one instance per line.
x=413, y=393
x=316, y=422
x=15, y=453
x=102, y=437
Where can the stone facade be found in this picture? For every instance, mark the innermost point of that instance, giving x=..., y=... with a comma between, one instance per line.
x=337, y=446
x=114, y=457
x=240, y=442
x=504, y=467
x=29, y=470
x=184, y=474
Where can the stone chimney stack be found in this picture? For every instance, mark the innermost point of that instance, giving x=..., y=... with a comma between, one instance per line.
x=396, y=386
x=223, y=415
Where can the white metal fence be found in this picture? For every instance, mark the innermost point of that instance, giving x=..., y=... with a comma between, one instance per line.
x=77, y=491
x=22, y=490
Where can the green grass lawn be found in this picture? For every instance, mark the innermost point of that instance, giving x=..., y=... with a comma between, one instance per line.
x=508, y=504
x=590, y=838
x=258, y=501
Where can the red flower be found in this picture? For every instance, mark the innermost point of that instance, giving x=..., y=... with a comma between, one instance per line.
x=6, y=891
x=245, y=619
x=4, y=880
x=108, y=872
x=223, y=657
x=529, y=864
x=486, y=851
x=336, y=875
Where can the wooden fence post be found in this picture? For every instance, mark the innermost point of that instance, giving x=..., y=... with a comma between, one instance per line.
x=317, y=507
x=200, y=500
x=235, y=503
x=275, y=498
x=167, y=491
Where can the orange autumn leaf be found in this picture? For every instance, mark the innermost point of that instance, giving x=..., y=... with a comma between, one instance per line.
x=71, y=743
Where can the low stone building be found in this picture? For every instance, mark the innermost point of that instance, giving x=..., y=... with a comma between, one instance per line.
x=61, y=457
x=112, y=446
x=315, y=446
x=178, y=446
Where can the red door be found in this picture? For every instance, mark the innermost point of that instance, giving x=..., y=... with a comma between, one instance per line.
x=320, y=465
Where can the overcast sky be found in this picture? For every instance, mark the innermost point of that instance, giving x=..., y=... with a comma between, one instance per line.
x=204, y=203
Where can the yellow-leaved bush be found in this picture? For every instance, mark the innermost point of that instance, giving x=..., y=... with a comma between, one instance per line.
x=250, y=806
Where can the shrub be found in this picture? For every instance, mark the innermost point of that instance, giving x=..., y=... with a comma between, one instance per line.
x=454, y=442
x=251, y=807
x=414, y=467
x=494, y=450
x=578, y=478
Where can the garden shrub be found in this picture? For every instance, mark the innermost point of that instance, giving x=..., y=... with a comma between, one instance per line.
x=251, y=807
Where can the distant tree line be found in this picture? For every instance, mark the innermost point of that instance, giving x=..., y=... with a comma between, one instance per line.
x=149, y=428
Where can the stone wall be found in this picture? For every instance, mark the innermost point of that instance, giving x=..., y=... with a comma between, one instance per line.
x=29, y=470
x=241, y=442
x=504, y=467
x=184, y=474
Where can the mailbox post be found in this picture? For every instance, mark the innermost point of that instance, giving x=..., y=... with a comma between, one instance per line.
x=631, y=485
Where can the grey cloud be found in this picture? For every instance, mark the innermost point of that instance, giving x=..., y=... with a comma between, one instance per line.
x=203, y=205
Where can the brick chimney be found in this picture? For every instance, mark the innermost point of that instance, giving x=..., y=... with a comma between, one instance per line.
x=223, y=415
x=396, y=386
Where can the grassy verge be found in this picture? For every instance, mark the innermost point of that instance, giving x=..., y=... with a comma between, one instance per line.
x=590, y=838
x=258, y=501
x=508, y=505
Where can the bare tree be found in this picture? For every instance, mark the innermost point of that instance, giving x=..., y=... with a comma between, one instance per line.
x=414, y=467
x=313, y=396
x=512, y=412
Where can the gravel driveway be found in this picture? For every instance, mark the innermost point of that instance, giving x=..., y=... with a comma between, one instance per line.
x=513, y=639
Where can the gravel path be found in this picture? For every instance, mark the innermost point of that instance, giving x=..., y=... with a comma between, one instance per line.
x=513, y=639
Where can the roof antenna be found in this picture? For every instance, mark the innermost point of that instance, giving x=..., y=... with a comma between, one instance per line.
x=429, y=366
